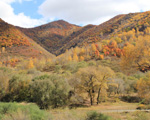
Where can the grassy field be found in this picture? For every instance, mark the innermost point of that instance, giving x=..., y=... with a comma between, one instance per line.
x=30, y=111
x=81, y=113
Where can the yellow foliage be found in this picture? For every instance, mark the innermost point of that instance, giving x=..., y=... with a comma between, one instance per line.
x=0, y=64
x=101, y=57
x=147, y=30
x=143, y=87
x=113, y=44
x=76, y=50
x=93, y=47
x=81, y=58
x=30, y=64
x=3, y=49
x=82, y=50
x=138, y=55
x=41, y=52
x=75, y=57
x=69, y=58
x=118, y=40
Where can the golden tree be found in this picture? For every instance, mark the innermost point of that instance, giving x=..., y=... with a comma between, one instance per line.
x=3, y=49
x=137, y=56
x=94, y=81
x=75, y=57
x=143, y=87
x=105, y=74
x=101, y=57
x=88, y=81
x=81, y=58
x=30, y=64
x=69, y=58
x=93, y=47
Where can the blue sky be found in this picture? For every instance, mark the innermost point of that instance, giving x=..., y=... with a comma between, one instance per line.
x=31, y=13
x=29, y=8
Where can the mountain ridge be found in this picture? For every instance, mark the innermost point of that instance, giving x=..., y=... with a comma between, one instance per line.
x=15, y=43
x=58, y=36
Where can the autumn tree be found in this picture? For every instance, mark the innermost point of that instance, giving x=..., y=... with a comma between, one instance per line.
x=18, y=88
x=81, y=58
x=3, y=49
x=106, y=73
x=69, y=58
x=82, y=51
x=93, y=81
x=75, y=57
x=4, y=80
x=147, y=31
x=88, y=81
x=112, y=44
x=101, y=57
x=137, y=56
x=143, y=87
x=30, y=64
x=93, y=47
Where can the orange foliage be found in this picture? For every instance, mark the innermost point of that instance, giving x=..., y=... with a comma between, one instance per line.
x=101, y=57
x=12, y=62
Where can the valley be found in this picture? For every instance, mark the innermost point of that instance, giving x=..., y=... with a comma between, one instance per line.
x=64, y=71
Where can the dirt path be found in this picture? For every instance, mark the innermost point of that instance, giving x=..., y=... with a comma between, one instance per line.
x=118, y=111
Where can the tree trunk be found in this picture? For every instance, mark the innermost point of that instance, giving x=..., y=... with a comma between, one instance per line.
x=91, y=98
x=98, y=95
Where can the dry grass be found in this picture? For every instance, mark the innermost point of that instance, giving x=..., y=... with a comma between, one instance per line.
x=19, y=115
x=80, y=113
x=112, y=106
x=67, y=114
x=130, y=116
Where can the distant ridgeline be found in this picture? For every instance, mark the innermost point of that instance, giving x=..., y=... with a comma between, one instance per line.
x=117, y=38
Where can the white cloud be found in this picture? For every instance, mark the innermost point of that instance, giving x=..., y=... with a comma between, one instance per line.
x=74, y=11
x=11, y=1
x=90, y=11
x=8, y=15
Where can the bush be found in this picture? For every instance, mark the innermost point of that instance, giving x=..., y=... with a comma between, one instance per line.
x=11, y=111
x=97, y=116
x=130, y=99
x=19, y=115
x=49, y=90
x=57, y=68
x=18, y=88
x=71, y=66
x=142, y=106
x=92, y=63
x=140, y=115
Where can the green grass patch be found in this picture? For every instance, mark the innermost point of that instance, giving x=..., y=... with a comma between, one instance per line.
x=18, y=111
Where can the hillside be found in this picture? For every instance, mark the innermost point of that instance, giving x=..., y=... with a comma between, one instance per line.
x=58, y=36
x=111, y=28
x=14, y=43
x=51, y=36
x=103, y=67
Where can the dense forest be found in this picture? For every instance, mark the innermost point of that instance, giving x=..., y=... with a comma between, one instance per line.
x=94, y=65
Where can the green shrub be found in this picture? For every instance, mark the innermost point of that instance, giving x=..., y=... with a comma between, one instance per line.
x=50, y=90
x=19, y=115
x=97, y=116
x=92, y=63
x=57, y=68
x=71, y=66
x=11, y=111
x=18, y=88
x=140, y=115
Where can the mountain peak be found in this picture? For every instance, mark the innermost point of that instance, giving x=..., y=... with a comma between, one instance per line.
x=1, y=20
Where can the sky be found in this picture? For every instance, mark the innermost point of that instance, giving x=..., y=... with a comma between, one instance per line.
x=31, y=13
